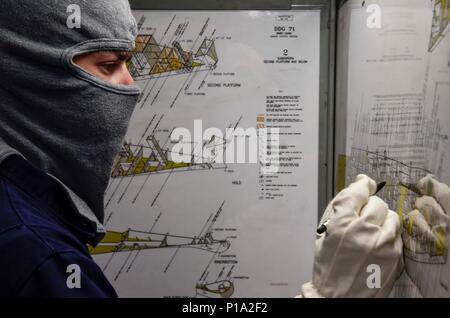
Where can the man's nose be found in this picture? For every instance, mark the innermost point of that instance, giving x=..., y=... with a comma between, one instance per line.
x=126, y=78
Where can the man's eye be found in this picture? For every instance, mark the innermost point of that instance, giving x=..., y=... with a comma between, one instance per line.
x=109, y=67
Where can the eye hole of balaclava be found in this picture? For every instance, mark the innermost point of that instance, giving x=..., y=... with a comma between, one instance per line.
x=109, y=66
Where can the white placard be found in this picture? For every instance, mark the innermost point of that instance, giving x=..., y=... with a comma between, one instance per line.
x=213, y=229
x=393, y=103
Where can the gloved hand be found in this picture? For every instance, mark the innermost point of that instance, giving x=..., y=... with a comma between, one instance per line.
x=426, y=238
x=360, y=231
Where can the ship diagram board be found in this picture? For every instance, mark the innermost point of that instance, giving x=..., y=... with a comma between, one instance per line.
x=204, y=227
x=394, y=113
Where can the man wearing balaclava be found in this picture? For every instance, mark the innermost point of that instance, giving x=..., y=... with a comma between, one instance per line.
x=66, y=98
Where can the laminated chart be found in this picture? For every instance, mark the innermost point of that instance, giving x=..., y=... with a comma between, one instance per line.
x=212, y=224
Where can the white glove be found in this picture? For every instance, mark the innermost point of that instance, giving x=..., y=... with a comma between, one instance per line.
x=360, y=231
x=426, y=238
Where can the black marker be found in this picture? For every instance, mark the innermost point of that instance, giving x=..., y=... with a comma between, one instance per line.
x=411, y=187
x=380, y=186
x=323, y=227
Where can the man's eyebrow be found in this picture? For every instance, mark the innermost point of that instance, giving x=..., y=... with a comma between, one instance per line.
x=123, y=55
x=120, y=55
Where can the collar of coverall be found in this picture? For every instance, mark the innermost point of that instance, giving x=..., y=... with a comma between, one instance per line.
x=80, y=206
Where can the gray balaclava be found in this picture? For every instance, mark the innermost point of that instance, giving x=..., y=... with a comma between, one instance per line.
x=59, y=117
